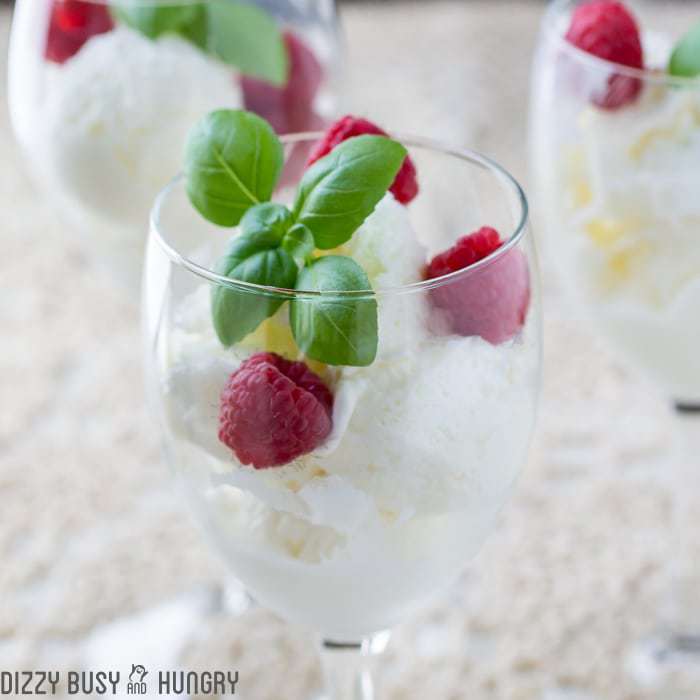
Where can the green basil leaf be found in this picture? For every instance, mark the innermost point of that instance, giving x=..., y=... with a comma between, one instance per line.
x=299, y=243
x=238, y=33
x=257, y=259
x=155, y=20
x=245, y=36
x=685, y=59
x=233, y=160
x=340, y=331
x=267, y=218
x=339, y=191
x=197, y=31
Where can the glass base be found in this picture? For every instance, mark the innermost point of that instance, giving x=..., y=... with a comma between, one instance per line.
x=347, y=667
x=687, y=407
x=668, y=664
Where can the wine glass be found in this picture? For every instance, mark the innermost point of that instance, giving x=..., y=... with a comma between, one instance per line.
x=103, y=92
x=615, y=153
x=426, y=441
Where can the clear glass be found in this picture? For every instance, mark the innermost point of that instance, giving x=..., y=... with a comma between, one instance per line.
x=426, y=443
x=102, y=110
x=615, y=154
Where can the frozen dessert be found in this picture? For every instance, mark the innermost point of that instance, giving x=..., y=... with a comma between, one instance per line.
x=103, y=97
x=111, y=129
x=618, y=179
x=346, y=484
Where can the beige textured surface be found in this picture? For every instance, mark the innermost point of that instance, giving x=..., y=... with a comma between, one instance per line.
x=90, y=532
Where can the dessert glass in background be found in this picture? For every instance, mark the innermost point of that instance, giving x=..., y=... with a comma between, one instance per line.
x=615, y=152
x=102, y=95
x=415, y=452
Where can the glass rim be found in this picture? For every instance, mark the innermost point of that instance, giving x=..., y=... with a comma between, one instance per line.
x=554, y=11
x=470, y=156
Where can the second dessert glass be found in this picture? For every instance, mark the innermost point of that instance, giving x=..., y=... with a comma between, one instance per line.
x=102, y=94
x=426, y=442
x=615, y=153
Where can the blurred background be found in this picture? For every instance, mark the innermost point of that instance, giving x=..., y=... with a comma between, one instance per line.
x=100, y=565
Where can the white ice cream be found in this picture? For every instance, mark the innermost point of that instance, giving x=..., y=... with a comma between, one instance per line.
x=106, y=129
x=425, y=447
x=622, y=204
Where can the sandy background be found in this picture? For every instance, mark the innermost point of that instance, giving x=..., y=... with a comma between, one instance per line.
x=100, y=565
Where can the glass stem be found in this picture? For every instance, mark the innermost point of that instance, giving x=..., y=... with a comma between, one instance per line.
x=346, y=667
x=683, y=604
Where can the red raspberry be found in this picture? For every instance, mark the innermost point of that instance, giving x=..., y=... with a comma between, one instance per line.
x=405, y=186
x=608, y=30
x=491, y=302
x=72, y=23
x=273, y=411
x=288, y=108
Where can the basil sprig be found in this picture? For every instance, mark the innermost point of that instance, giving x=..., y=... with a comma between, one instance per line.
x=338, y=192
x=685, y=59
x=155, y=20
x=238, y=33
x=267, y=218
x=340, y=330
x=256, y=258
x=245, y=36
x=299, y=243
x=233, y=162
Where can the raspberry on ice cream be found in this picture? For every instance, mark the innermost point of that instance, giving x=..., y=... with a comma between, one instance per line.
x=404, y=187
x=273, y=410
x=288, y=108
x=608, y=30
x=493, y=301
x=72, y=23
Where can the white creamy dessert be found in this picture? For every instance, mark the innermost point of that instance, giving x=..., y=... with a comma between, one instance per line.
x=425, y=446
x=620, y=197
x=107, y=129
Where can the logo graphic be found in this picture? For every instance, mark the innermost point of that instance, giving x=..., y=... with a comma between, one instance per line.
x=179, y=683
x=136, y=685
